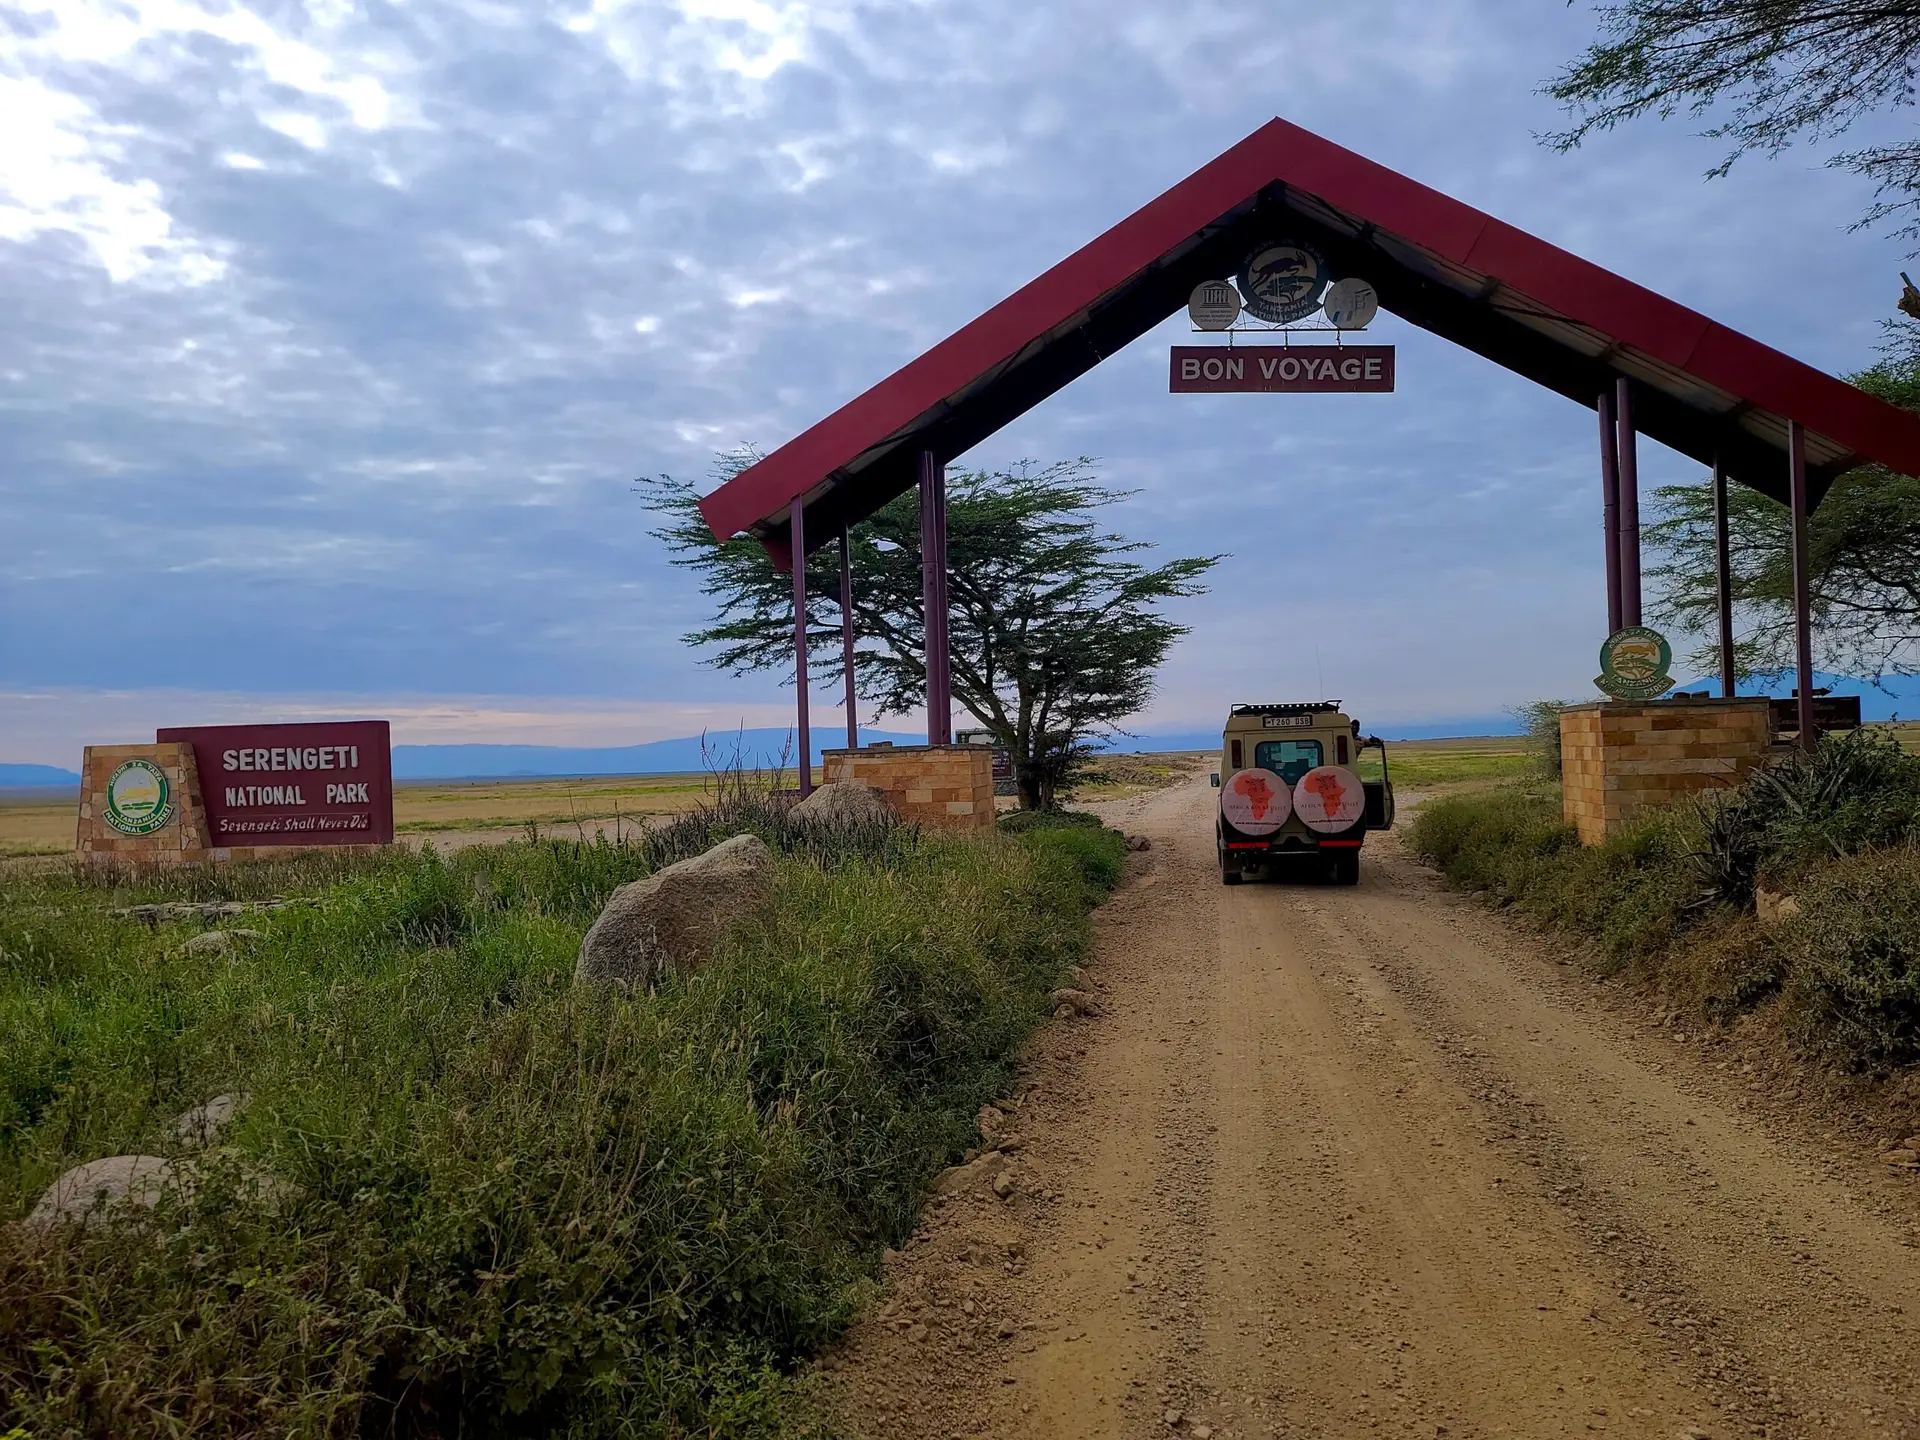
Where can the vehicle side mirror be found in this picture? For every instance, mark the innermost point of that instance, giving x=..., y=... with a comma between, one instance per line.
x=1215, y=778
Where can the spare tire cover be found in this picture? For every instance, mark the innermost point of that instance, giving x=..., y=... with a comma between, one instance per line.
x=1255, y=802
x=1330, y=799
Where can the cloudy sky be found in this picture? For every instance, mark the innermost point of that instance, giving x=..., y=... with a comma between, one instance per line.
x=333, y=335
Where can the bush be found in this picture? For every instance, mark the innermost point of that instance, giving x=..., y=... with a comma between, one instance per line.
x=1100, y=854
x=1021, y=822
x=502, y=1205
x=1852, y=962
x=1540, y=723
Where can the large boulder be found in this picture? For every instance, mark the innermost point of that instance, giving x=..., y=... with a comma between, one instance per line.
x=844, y=805
x=120, y=1185
x=672, y=922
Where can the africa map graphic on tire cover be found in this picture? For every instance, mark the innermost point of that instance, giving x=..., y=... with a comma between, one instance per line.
x=1255, y=802
x=1330, y=799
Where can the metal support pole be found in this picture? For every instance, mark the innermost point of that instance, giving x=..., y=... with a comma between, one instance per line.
x=1802, y=583
x=1723, y=577
x=1610, y=505
x=798, y=540
x=933, y=596
x=943, y=607
x=1629, y=462
x=846, y=638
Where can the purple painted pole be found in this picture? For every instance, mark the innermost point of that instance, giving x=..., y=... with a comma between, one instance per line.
x=798, y=540
x=846, y=637
x=943, y=609
x=1610, y=505
x=933, y=595
x=1723, y=577
x=1629, y=463
x=1802, y=581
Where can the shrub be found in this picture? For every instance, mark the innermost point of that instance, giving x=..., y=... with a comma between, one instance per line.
x=1021, y=822
x=504, y=1206
x=1099, y=854
x=1540, y=723
x=1852, y=961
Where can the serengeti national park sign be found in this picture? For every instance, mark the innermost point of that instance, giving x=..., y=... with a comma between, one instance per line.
x=1281, y=369
x=220, y=792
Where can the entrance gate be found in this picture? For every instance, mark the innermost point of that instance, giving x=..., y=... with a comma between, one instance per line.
x=1644, y=364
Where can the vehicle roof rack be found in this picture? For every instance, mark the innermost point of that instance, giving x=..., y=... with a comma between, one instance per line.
x=1303, y=707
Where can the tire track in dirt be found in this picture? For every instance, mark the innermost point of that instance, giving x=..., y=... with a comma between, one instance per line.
x=1368, y=1161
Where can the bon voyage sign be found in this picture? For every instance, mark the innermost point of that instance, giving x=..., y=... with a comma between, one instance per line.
x=311, y=784
x=1281, y=369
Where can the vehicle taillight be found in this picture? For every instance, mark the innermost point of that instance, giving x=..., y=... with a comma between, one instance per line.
x=1237, y=764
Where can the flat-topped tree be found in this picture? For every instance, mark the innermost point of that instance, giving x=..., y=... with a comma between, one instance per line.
x=1055, y=631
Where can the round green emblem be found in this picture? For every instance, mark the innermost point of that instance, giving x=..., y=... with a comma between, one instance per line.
x=1634, y=664
x=139, y=800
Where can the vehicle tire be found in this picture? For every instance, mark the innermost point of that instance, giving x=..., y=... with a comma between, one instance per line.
x=1228, y=877
x=1346, y=868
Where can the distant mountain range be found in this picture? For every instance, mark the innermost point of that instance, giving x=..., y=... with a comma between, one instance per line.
x=1897, y=698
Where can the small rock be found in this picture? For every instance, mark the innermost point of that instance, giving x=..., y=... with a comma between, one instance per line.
x=1773, y=908
x=89, y=1191
x=975, y=1172
x=1003, y=1185
x=1139, y=842
x=1201, y=1432
x=1172, y=1417
x=992, y=1123
x=203, y=1124
x=1078, y=1002
x=918, y=1331
x=1902, y=1157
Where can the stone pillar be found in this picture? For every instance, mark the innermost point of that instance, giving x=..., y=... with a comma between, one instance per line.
x=123, y=834
x=947, y=786
x=1620, y=759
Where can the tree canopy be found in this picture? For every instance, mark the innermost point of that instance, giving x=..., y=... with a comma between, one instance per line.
x=1765, y=73
x=1054, y=631
x=1863, y=548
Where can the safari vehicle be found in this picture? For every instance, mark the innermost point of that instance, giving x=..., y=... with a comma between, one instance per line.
x=1292, y=794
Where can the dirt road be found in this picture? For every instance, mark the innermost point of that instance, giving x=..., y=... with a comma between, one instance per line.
x=1370, y=1161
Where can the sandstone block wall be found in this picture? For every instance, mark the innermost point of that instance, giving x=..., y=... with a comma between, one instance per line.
x=1620, y=759
x=950, y=786
x=183, y=838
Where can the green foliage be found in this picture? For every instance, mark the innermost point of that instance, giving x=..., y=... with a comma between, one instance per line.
x=500, y=1205
x=1767, y=72
x=1021, y=822
x=1851, y=961
x=1858, y=791
x=1099, y=854
x=1540, y=719
x=1054, y=634
x=1863, y=554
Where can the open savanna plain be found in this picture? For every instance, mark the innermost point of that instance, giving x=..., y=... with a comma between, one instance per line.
x=452, y=813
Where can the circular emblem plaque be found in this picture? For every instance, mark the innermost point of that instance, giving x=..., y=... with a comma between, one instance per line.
x=1330, y=799
x=139, y=800
x=1634, y=664
x=1214, y=305
x=1255, y=802
x=1351, y=303
x=1281, y=281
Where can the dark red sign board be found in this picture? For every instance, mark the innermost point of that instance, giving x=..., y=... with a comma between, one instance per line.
x=322, y=784
x=1281, y=369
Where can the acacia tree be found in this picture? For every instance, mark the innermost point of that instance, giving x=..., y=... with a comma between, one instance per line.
x=1054, y=635
x=1770, y=71
x=1863, y=549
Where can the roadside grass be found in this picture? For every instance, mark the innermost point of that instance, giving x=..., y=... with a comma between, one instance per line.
x=468, y=1197
x=1672, y=900
x=1421, y=769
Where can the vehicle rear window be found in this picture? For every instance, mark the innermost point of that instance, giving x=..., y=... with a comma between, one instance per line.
x=1289, y=759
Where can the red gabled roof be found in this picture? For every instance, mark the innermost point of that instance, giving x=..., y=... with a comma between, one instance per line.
x=1547, y=314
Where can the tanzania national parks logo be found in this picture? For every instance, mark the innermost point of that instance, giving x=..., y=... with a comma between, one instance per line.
x=139, y=800
x=1634, y=664
x=1282, y=282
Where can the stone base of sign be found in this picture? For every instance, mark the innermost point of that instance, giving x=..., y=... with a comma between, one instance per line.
x=950, y=786
x=1620, y=759
x=182, y=839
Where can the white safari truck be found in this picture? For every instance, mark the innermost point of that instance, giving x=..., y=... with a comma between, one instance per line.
x=1292, y=793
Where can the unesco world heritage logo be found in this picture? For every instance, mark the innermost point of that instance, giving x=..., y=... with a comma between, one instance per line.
x=1282, y=281
x=139, y=800
x=1634, y=663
